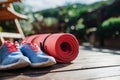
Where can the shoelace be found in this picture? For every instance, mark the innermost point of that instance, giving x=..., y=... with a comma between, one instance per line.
x=34, y=47
x=12, y=47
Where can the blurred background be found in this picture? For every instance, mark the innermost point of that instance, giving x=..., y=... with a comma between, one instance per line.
x=92, y=21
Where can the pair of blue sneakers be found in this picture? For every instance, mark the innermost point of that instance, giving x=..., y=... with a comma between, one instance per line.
x=13, y=56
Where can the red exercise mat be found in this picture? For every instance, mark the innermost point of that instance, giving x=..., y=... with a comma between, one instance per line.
x=63, y=47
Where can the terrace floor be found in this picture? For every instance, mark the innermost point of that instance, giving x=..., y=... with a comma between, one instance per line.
x=91, y=64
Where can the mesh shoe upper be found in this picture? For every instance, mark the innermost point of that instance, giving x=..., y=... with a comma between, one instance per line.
x=33, y=52
x=9, y=53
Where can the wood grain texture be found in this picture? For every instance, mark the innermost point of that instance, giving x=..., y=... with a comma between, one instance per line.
x=89, y=65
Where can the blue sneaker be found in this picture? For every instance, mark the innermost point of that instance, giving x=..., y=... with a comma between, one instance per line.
x=36, y=56
x=11, y=57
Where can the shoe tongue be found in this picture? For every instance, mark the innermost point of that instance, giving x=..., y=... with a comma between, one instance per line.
x=23, y=42
x=35, y=47
x=16, y=44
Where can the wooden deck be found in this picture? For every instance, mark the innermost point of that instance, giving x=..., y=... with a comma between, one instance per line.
x=91, y=64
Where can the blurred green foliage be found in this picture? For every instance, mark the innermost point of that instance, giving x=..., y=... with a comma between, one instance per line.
x=1, y=29
x=50, y=21
x=6, y=26
x=19, y=7
x=110, y=28
x=71, y=17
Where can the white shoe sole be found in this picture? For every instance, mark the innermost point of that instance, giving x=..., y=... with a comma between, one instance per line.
x=23, y=62
x=50, y=62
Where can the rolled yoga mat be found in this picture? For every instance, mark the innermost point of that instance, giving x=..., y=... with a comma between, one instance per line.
x=64, y=47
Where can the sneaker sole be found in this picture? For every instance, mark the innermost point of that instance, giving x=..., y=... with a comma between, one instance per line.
x=50, y=62
x=24, y=62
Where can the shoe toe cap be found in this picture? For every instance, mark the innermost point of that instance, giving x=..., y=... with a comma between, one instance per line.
x=13, y=59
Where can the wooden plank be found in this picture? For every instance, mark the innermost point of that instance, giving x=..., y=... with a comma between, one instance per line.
x=8, y=1
x=114, y=77
x=10, y=14
x=80, y=63
x=23, y=77
x=18, y=28
x=1, y=39
x=90, y=74
x=89, y=65
x=10, y=35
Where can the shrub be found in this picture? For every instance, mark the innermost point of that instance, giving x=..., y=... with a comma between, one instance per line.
x=110, y=28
